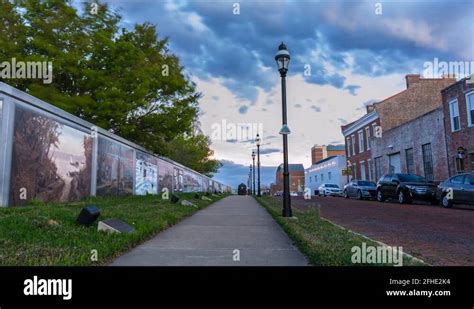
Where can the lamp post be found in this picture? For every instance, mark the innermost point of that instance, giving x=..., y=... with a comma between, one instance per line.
x=253, y=159
x=257, y=140
x=282, y=59
x=250, y=184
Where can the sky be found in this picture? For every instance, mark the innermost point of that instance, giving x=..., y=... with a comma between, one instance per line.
x=344, y=55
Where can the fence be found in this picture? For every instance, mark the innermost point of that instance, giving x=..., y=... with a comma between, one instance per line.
x=50, y=155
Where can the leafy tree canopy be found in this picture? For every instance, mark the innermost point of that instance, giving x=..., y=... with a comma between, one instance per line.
x=126, y=81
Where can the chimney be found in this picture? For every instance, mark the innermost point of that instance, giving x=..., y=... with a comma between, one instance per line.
x=370, y=108
x=412, y=79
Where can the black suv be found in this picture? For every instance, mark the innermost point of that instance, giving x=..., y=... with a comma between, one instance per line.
x=406, y=188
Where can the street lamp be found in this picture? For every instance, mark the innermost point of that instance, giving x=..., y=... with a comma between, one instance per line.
x=253, y=159
x=250, y=177
x=283, y=59
x=251, y=180
x=257, y=140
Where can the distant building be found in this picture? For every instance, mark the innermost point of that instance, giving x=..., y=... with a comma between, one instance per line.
x=377, y=143
x=328, y=170
x=458, y=109
x=319, y=152
x=296, y=179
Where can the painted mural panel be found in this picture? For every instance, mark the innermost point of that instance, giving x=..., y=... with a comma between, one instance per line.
x=165, y=175
x=191, y=182
x=115, y=168
x=177, y=179
x=51, y=162
x=146, y=174
x=205, y=184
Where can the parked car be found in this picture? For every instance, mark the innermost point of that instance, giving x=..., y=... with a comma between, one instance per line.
x=293, y=193
x=461, y=188
x=406, y=188
x=329, y=189
x=278, y=193
x=360, y=189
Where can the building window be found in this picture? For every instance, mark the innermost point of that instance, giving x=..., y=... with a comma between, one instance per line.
x=348, y=145
x=370, y=169
x=459, y=164
x=454, y=115
x=409, y=158
x=329, y=175
x=374, y=125
x=367, y=137
x=322, y=177
x=315, y=178
x=309, y=178
x=353, y=144
x=427, y=161
x=354, y=167
x=470, y=108
x=361, y=141
x=362, y=171
x=378, y=168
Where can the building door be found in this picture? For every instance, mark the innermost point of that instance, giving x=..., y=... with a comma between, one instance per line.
x=394, y=163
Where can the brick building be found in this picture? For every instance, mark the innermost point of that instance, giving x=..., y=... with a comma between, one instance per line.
x=357, y=136
x=415, y=147
x=296, y=179
x=458, y=108
x=319, y=152
x=421, y=97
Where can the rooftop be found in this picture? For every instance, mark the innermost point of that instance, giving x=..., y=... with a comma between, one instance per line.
x=291, y=167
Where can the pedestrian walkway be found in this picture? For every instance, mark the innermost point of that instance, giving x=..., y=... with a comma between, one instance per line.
x=216, y=236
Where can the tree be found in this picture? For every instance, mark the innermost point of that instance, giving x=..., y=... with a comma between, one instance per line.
x=194, y=152
x=126, y=81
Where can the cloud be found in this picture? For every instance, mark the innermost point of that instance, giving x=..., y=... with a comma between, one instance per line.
x=316, y=108
x=269, y=150
x=243, y=109
x=233, y=174
x=352, y=89
x=342, y=120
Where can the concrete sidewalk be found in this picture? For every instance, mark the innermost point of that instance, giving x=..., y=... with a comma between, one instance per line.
x=211, y=236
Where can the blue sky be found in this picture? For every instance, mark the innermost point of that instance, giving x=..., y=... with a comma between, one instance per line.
x=355, y=56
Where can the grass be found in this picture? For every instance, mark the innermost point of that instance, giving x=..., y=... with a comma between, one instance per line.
x=323, y=243
x=46, y=235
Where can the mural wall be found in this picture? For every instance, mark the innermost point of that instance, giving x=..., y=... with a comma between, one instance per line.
x=115, y=168
x=165, y=172
x=146, y=174
x=50, y=161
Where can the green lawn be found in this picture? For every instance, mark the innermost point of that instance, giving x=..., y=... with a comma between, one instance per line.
x=43, y=235
x=324, y=243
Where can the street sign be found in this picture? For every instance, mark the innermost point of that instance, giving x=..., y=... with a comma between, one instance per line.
x=347, y=171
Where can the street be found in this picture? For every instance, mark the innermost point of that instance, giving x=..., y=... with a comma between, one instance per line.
x=436, y=235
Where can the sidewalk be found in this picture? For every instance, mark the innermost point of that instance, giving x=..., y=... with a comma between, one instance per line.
x=209, y=238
